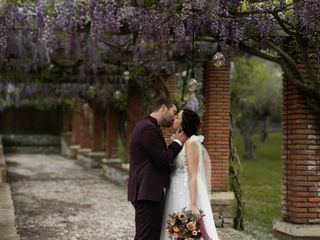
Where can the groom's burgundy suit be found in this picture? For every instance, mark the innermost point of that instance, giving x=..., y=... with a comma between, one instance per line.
x=148, y=176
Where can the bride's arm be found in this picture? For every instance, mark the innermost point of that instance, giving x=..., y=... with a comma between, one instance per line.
x=192, y=153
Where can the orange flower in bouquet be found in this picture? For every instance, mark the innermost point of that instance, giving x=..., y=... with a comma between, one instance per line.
x=184, y=225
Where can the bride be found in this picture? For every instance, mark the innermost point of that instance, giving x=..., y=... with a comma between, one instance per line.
x=188, y=185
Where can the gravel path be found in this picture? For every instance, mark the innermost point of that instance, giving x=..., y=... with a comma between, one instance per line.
x=55, y=198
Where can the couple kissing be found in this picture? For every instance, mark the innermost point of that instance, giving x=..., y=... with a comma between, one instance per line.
x=165, y=179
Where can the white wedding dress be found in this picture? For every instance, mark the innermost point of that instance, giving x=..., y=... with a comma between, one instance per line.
x=178, y=195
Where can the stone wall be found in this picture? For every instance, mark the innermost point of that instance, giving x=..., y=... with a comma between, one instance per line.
x=222, y=208
x=31, y=121
x=33, y=143
x=116, y=173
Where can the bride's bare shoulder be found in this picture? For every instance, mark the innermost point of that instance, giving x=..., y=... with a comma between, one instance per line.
x=191, y=146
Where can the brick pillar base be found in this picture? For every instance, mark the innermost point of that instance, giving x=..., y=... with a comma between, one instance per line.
x=216, y=124
x=301, y=165
x=289, y=231
x=222, y=208
x=112, y=132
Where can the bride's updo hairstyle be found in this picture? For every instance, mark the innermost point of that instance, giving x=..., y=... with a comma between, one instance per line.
x=190, y=122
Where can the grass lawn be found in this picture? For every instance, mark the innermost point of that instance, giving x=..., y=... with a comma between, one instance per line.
x=261, y=182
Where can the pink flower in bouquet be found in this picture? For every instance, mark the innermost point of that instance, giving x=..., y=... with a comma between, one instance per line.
x=191, y=226
x=177, y=235
x=172, y=221
x=189, y=239
x=194, y=233
x=176, y=229
x=182, y=216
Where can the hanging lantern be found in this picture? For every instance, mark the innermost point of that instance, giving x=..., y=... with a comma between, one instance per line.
x=126, y=75
x=117, y=94
x=218, y=59
x=193, y=83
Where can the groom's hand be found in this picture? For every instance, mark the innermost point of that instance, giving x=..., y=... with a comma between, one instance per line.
x=181, y=136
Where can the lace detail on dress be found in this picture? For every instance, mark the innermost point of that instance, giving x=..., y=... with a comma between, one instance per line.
x=180, y=164
x=180, y=174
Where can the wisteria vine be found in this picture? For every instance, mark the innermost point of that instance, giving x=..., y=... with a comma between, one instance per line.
x=85, y=38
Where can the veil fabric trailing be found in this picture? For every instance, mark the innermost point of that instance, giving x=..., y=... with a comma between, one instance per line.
x=207, y=168
x=204, y=163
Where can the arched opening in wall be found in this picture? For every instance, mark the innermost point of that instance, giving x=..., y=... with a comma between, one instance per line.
x=256, y=88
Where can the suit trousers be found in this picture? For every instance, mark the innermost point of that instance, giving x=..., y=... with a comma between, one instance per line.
x=148, y=219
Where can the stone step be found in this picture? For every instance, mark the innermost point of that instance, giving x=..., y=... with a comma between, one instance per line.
x=8, y=229
x=114, y=171
x=90, y=159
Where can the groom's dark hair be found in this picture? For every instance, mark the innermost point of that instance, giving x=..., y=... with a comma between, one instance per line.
x=159, y=101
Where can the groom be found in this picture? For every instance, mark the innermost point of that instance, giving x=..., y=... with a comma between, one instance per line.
x=149, y=168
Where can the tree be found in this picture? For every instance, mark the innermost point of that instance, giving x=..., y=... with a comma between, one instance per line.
x=255, y=95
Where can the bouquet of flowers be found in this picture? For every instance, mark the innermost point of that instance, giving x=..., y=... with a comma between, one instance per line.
x=183, y=225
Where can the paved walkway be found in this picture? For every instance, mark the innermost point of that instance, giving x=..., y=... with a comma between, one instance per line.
x=55, y=198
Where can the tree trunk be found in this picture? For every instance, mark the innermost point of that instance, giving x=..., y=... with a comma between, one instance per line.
x=249, y=146
x=264, y=130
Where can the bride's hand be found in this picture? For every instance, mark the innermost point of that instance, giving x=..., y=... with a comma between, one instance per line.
x=195, y=210
x=180, y=135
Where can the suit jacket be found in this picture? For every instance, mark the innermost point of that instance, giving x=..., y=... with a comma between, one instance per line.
x=149, y=161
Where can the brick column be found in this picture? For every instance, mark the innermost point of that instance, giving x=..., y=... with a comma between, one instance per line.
x=67, y=119
x=216, y=91
x=172, y=86
x=136, y=106
x=66, y=134
x=85, y=126
x=98, y=135
x=76, y=124
x=216, y=124
x=112, y=132
x=301, y=168
x=80, y=125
